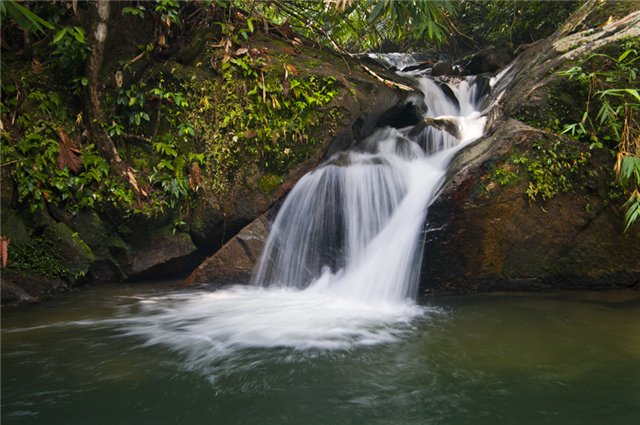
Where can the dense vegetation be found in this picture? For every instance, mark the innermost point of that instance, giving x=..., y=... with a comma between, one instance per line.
x=97, y=122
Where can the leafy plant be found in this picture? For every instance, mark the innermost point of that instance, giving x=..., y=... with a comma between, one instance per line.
x=553, y=169
x=610, y=118
x=24, y=17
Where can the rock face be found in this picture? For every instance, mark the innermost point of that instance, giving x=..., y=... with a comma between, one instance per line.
x=484, y=233
x=441, y=68
x=235, y=261
x=159, y=250
x=18, y=288
x=107, y=246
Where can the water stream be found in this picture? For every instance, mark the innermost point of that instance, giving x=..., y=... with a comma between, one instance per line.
x=340, y=268
x=331, y=329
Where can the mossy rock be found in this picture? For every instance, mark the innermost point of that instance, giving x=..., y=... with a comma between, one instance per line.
x=14, y=227
x=70, y=250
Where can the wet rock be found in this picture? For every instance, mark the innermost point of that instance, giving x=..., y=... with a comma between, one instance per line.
x=488, y=60
x=235, y=261
x=103, y=243
x=441, y=68
x=160, y=252
x=19, y=288
x=483, y=235
x=401, y=116
x=424, y=65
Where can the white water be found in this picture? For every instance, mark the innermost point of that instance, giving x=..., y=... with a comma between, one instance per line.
x=341, y=265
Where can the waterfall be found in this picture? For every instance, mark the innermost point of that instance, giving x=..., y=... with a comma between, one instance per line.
x=341, y=265
x=352, y=226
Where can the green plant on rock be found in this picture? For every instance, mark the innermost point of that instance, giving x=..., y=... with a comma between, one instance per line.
x=504, y=177
x=258, y=114
x=39, y=256
x=610, y=118
x=553, y=169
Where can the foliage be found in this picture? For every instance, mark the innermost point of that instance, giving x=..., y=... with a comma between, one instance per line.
x=39, y=256
x=504, y=177
x=610, y=117
x=362, y=25
x=24, y=17
x=508, y=23
x=33, y=158
x=156, y=122
x=254, y=120
x=552, y=169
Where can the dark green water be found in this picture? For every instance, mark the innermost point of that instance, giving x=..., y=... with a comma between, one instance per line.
x=542, y=358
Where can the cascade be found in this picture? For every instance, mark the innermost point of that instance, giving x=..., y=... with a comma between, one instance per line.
x=352, y=226
x=342, y=261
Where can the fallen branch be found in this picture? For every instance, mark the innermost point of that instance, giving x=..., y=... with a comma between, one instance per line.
x=388, y=82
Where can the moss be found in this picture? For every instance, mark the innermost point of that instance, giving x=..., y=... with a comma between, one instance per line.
x=71, y=251
x=555, y=167
x=257, y=120
x=39, y=257
x=269, y=182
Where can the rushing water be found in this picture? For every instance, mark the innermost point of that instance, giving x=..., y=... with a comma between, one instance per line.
x=330, y=331
x=549, y=358
x=351, y=228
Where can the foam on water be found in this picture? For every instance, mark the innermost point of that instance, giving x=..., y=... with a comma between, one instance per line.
x=209, y=326
x=341, y=265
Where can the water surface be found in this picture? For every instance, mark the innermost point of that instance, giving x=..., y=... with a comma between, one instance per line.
x=156, y=356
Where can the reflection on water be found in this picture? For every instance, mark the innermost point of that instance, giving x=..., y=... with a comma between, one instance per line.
x=129, y=356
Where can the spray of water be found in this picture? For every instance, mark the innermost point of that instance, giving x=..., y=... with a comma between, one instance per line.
x=340, y=268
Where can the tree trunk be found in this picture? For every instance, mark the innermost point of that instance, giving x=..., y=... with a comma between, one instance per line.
x=96, y=114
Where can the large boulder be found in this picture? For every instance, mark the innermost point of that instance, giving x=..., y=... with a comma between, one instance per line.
x=485, y=233
x=235, y=261
x=492, y=228
x=362, y=104
x=160, y=252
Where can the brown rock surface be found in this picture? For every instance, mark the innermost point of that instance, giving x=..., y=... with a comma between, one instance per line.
x=235, y=261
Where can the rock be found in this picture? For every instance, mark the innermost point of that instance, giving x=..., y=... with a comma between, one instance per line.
x=488, y=60
x=14, y=228
x=401, y=116
x=482, y=235
x=235, y=261
x=420, y=66
x=19, y=288
x=160, y=252
x=364, y=104
x=103, y=243
x=72, y=252
x=441, y=68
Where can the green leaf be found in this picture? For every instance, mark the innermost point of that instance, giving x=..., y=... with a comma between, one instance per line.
x=624, y=55
x=24, y=17
x=60, y=35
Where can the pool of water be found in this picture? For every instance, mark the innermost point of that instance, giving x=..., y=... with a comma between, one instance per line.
x=156, y=355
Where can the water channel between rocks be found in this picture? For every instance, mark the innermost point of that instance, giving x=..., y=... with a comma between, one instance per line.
x=330, y=331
